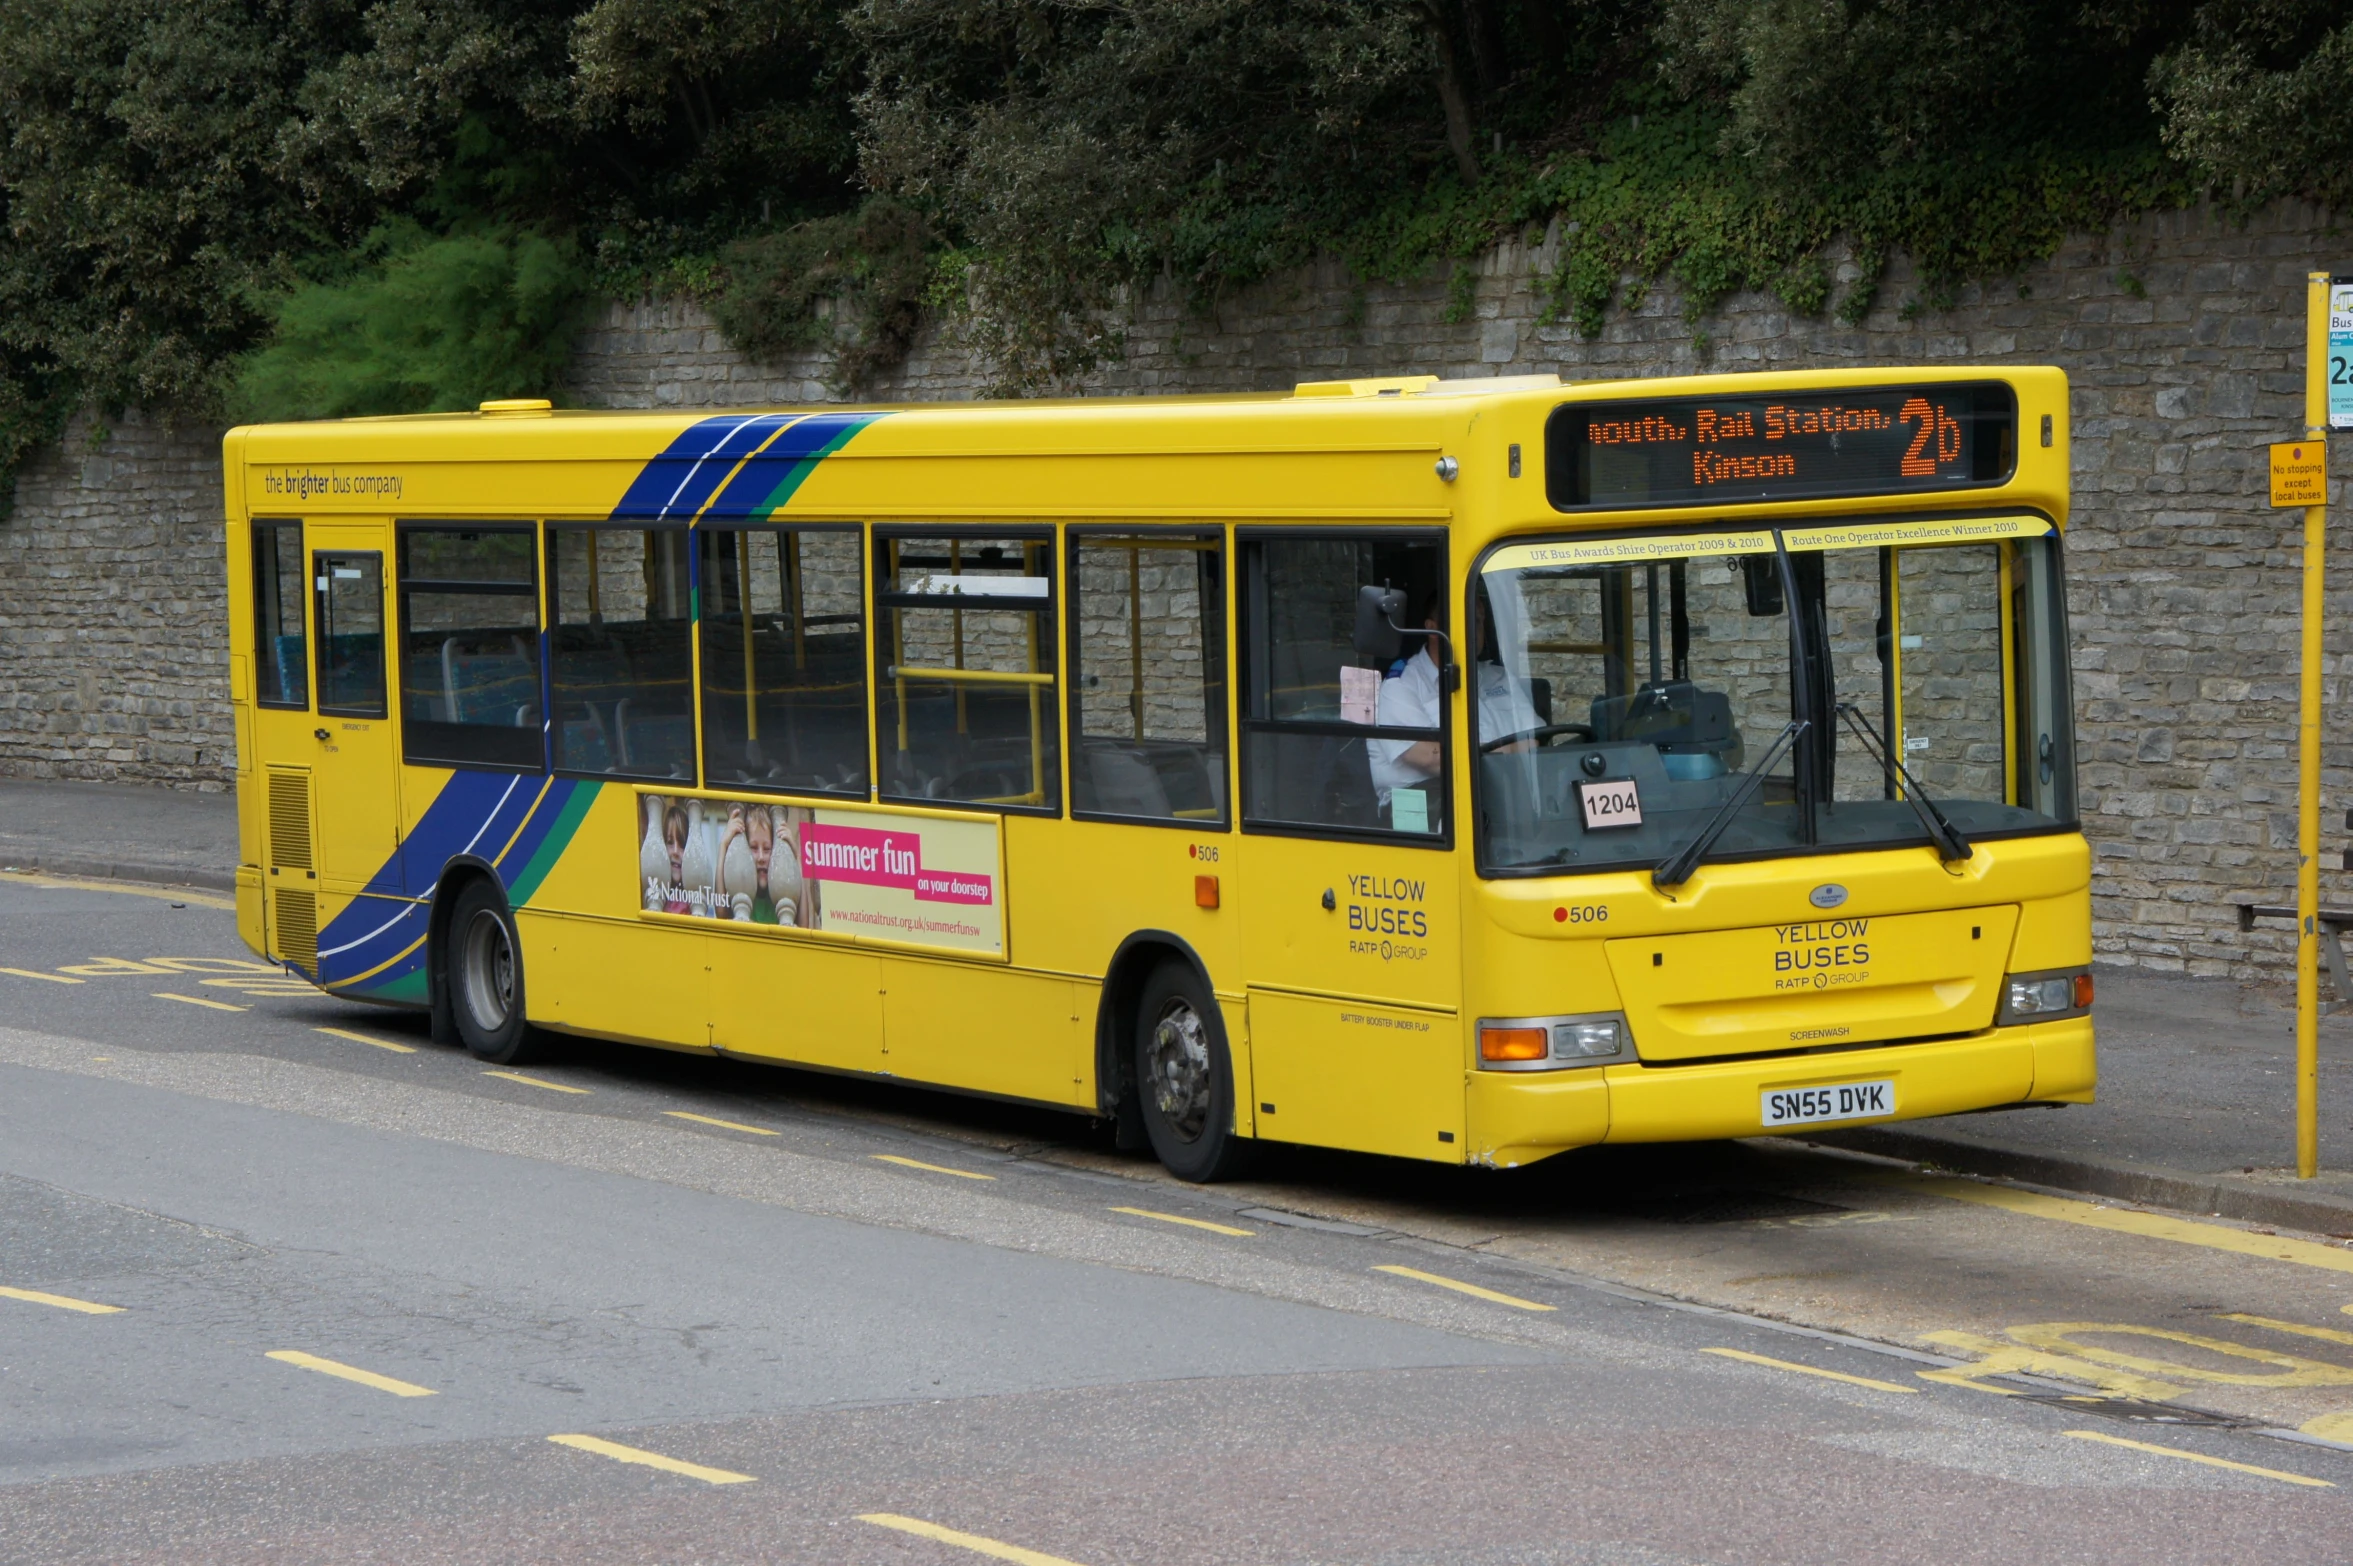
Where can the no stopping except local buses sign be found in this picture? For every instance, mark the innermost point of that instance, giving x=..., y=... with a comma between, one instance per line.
x=2299, y=473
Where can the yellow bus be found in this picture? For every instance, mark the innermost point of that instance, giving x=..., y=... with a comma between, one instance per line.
x=1457, y=770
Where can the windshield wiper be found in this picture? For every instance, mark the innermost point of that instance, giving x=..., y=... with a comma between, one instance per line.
x=1951, y=844
x=1676, y=870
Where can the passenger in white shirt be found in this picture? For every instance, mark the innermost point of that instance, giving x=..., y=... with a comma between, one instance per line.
x=1412, y=700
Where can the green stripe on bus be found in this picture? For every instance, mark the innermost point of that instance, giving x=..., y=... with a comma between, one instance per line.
x=801, y=470
x=409, y=986
x=551, y=848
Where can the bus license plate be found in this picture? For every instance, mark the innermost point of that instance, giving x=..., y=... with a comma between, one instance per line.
x=1838, y=1101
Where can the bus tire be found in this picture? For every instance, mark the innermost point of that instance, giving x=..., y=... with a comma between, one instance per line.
x=485, y=979
x=1185, y=1078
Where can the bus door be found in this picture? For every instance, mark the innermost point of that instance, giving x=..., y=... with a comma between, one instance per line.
x=355, y=766
x=281, y=752
x=1351, y=934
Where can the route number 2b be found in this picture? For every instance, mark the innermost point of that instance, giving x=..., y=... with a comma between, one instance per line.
x=1939, y=439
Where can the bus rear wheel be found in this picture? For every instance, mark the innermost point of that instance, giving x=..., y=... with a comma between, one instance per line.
x=1185, y=1078
x=485, y=979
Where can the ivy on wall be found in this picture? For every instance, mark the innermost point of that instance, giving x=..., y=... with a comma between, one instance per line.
x=292, y=208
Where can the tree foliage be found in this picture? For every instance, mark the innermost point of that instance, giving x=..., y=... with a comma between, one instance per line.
x=2260, y=97
x=437, y=325
x=313, y=206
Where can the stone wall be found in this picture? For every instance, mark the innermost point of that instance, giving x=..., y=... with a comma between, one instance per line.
x=2182, y=333
x=113, y=630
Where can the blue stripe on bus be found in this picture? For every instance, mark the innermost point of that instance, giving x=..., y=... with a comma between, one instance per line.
x=503, y=817
x=678, y=481
x=508, y=817
x=769, y=479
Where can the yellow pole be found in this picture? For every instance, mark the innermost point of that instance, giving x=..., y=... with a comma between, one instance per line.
x=2308, y=744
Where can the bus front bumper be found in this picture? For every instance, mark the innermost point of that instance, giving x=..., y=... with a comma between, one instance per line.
x=1517, y=1118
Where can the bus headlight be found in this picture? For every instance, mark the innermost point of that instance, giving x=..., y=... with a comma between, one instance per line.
x=1553, y=1043
x=2046, y=996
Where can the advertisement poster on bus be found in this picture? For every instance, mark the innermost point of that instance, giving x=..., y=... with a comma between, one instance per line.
x=916, y=879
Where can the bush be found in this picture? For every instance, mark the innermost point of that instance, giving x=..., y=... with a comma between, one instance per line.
x=870, y=266
x=434, y=325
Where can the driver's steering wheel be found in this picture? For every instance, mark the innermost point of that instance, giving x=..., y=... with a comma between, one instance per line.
x=1583, y=731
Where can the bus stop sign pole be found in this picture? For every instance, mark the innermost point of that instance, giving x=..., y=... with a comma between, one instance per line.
x=2299, y=476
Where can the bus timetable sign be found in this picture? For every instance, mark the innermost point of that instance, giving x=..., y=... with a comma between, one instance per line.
x=1891, y=440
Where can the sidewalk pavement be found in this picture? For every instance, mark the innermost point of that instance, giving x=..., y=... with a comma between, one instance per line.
x=2197, y=1095
x=119, y=831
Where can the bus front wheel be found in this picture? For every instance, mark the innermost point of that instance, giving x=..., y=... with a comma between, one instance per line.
x=485, y=979
x=1185, y=1078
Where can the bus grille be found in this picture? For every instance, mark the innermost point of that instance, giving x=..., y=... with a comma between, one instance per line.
x=298, y=926
x=290, y=819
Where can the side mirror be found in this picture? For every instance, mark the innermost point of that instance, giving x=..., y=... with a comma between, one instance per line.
x=1760, y=577
x=1378, y=640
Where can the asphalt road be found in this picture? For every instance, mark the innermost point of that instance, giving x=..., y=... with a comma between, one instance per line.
x=281, y=1280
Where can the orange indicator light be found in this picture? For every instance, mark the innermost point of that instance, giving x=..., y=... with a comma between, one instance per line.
x=1514, y=1044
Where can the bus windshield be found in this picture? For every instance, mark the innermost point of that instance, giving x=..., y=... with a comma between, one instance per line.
x=1649, y=673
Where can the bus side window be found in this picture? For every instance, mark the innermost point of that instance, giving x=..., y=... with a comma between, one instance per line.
x=784, y=659
x=469, y=667
x=965, y=704
x=1344, y=715
x=620, y=653
x=350, y=588
x=1148, y=710
x=281, y=652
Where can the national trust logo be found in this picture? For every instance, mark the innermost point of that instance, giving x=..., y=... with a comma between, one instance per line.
x=1828, y=895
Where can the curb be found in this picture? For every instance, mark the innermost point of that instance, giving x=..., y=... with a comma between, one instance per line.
x=131, y=870
x=2143, y=1184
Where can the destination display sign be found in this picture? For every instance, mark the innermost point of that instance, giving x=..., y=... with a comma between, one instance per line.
x=1682, y=451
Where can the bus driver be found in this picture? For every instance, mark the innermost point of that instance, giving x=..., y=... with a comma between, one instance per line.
x=1410, y=699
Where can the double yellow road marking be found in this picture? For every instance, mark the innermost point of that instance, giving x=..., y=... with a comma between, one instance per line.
x=2122, y=1220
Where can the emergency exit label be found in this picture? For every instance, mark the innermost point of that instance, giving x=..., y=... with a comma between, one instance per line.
x=2299, y=473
